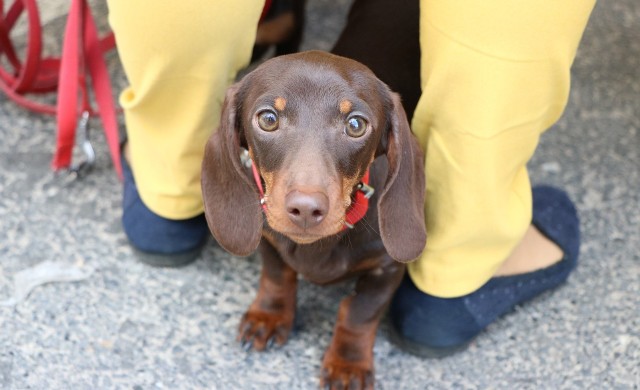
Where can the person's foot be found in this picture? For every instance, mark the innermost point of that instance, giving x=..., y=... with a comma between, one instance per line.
x=429, y=326
x=156, y=240
x=535, y=251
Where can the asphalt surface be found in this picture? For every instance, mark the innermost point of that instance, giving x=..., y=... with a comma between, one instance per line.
x=124, y=325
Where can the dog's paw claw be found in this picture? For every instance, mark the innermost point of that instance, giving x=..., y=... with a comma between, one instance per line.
x=260, y=331
x=246, y=345
x=343, y=376
x=271, y=342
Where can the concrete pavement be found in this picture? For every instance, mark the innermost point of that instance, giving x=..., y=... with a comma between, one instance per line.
x=129, y=326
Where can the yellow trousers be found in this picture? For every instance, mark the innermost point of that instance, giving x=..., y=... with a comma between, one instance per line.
x=179, y=57
x=495, y=75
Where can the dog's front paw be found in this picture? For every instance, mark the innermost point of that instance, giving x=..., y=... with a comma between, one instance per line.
x=261, y=330
x=341, y=375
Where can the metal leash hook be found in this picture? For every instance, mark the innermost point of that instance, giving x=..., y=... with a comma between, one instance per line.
x=80, y=170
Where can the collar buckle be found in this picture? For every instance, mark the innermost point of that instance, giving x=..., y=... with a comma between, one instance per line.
x=366, y=190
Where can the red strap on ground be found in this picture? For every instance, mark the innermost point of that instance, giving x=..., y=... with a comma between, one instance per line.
x=94, y=53
x=67, y=113
x=82, y=46
x=35, y=74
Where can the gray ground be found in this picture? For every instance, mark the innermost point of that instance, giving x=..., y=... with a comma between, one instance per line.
x=131, y=326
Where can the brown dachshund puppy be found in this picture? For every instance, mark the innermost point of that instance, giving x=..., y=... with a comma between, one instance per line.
x=316, y=125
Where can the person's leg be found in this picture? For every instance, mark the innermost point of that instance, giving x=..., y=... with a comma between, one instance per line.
x=178, y=59
x=495, y=75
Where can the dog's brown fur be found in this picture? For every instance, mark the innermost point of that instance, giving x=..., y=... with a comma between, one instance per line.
x=311, y=156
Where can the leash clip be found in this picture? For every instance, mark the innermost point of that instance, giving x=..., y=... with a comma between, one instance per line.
x=366, y=190
x=80, y=170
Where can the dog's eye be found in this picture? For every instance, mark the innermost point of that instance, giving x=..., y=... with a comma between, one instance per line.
x=356, y=126
x=268, y=120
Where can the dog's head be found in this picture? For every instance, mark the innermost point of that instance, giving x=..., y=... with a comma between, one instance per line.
x=312, y=122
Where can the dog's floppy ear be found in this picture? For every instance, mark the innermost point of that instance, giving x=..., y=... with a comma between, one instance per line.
x=231, y=200
x=401, y=205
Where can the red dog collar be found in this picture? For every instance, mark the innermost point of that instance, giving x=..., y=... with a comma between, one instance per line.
x=360, y=204
x=356, y=210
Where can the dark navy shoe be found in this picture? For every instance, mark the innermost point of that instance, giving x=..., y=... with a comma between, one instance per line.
x=429, y=326
x=159, y=241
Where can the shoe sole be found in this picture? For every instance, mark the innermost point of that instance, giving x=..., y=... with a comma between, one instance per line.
x=173, y=260
x=419, y=350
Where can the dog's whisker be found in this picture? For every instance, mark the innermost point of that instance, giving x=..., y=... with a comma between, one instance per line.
x=347, y=240
x=368, y=225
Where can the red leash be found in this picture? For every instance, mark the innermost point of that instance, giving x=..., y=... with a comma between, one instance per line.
x=82, y=49
x=38, y=75
x=34, y=74
x=82, y=54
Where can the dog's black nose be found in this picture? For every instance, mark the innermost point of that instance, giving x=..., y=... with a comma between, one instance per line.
x=306, y=209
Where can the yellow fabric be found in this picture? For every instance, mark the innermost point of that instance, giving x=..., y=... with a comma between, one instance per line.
x=495, y=75
x=179, y=57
